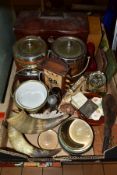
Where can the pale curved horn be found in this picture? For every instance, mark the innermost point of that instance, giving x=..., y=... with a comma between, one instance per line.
x=29, y=125
x=20, y=144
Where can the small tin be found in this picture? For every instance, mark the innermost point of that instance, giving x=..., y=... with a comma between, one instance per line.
x=96, y=82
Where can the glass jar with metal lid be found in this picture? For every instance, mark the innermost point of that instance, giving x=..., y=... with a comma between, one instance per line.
x=73, y=51
x=29, y=52
x=96, y=82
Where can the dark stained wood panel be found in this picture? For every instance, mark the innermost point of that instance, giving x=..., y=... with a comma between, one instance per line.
x=32, y=171
x=11, y=171
x=52, y=171
x=25, y=2
x=73, y=169
x=93, y=169
x=0, y=170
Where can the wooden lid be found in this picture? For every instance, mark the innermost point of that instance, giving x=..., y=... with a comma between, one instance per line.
x=55, y=65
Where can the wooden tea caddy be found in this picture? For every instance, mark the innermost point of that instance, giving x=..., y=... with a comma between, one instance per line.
x=56, y=73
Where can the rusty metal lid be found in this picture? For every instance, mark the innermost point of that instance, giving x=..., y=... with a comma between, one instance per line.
x=30, y=48
x=69, y=48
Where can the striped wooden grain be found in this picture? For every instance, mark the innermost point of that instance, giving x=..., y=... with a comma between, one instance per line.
x=93, y=169
x=32, y=171
x=72, y=169
x=52, y=171
x=110, y=168
x=11, y=171
x=86, y=168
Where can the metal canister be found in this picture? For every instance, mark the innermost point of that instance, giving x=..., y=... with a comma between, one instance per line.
x=73, y=51
x=96, y=82
x=29, y=52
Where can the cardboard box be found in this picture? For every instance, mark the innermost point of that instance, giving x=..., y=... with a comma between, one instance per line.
x=5, y=104
x=95, y=31
x=95, y=153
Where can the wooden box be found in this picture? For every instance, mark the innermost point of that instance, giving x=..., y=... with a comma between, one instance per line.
x=51, y=26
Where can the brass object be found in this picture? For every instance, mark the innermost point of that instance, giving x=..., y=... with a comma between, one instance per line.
x=75, y=136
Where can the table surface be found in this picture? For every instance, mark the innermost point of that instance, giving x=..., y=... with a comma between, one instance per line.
x=81, y=169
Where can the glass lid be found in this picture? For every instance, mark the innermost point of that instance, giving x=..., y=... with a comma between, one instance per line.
x=69, y=47
x=31, y=46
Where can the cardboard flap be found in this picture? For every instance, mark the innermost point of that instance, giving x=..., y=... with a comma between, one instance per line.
x=8, y=155
x=111, y=154
x=111, y=65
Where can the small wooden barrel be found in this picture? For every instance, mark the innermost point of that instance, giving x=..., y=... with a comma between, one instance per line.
x=29, y=52
x=73, y=51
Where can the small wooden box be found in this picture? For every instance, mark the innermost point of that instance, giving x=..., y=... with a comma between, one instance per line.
x=55, y=73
